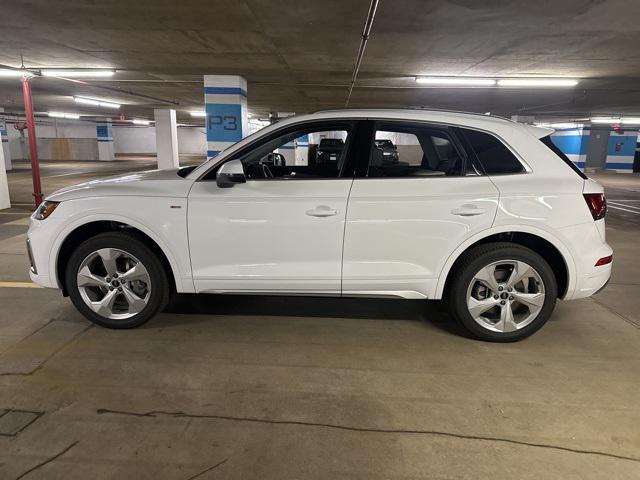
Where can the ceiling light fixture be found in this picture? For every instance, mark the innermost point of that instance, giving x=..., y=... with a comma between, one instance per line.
x=605, y=120
x=560, y=125
x=457, y=81
x=15, y=73
x=97, y=103
x=198, y=113
x=537, y=82
x=70, y=116
x=78, y=73
x=630, y=120
x=140, y=122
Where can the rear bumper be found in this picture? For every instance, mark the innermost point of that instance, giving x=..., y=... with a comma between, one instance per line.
x=592, y=283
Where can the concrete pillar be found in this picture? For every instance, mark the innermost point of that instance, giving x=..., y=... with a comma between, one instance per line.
x=288, y=150
x=4, y=139
x=302, y=150
x=225, y=98
x=166, y=138
x=4, y=184
x=104, y=133
x=598, y=146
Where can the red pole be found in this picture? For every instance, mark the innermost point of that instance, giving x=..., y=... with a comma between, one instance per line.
x=33, y=146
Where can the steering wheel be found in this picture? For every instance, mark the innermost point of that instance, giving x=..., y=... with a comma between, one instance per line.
x=266, y=171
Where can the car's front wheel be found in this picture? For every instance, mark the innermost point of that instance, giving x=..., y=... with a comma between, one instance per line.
x=502, y=292
x=116, y=281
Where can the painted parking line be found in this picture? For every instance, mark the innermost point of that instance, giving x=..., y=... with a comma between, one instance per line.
x=623, y=209
x=19, y=285
x=624, y=206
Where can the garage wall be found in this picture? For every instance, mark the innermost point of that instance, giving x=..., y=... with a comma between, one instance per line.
x=77, y=140
x=142, y=140
x=57, y=140
x=621, y=151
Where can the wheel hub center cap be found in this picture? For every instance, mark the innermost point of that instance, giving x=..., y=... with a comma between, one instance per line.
x=504, y=295
x=115, y=283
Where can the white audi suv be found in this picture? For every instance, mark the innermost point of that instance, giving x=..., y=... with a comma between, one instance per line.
x=482, y=212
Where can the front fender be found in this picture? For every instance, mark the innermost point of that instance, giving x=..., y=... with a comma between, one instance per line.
x=163, y=220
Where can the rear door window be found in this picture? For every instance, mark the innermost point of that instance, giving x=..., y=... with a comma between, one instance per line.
x=401, y=150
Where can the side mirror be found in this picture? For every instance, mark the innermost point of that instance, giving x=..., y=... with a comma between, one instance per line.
x=230, y=173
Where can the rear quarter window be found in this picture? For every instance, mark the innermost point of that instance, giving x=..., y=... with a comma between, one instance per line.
x=493, y=155
x=560, y=154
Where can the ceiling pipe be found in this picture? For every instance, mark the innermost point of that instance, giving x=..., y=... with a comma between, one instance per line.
x=363, y=44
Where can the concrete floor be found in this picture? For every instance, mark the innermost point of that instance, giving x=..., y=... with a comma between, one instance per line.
x=281, y=388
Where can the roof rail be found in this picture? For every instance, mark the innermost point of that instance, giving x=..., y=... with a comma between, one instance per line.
x=424, y=109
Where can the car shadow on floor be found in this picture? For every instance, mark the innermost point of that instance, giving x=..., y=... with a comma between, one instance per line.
x=195, y=307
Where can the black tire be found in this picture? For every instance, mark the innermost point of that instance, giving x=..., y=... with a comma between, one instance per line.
x=479, y=257
x=159, y=293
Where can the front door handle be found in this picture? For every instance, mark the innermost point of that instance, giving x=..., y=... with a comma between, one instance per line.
x=468, y=210
x=322, y=211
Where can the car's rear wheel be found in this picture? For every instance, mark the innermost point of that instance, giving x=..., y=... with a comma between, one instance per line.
x=502, y=292
x=116, y=281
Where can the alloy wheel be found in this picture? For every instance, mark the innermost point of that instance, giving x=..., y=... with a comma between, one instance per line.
x=114, y=283
x=505, y=296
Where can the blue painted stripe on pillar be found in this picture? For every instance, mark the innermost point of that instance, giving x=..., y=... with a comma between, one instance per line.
x=287, y=147
x=103, y=132
x=626, y=146
x=225, y=91
x=105, y=139
x=224, y=122
x=571, y=144
x=212, y=153
x=619, y=166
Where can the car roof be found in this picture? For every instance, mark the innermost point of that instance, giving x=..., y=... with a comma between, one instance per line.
x=488, y=122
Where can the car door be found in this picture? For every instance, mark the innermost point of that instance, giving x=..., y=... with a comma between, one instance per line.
x=281, y=231
x=409, y=210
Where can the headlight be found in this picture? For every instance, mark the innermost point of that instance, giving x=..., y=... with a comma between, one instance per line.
x=45, y=209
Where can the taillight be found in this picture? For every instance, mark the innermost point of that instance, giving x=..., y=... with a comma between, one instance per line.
x=604, y=261
x=597, y=204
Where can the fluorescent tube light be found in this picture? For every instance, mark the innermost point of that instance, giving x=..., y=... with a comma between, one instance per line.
x=630, y=120
x=77, y=73
x=97, y=103
x=605, y=120
x=15, y=73
x=140, y=122
x=198, y=114
x=457, y=81
x=71, y=116
x=560, y=125
x=537, y=82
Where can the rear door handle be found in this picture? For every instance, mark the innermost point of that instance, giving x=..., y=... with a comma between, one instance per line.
x=322, y=211
x=468, y=211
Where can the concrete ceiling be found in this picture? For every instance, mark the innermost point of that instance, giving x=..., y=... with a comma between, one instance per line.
x=298, y=55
